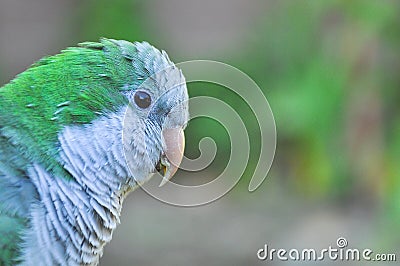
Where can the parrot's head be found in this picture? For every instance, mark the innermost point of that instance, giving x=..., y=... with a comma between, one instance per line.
x=156, y=115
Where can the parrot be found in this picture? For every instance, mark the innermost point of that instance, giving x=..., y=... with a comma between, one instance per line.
x=79, y=131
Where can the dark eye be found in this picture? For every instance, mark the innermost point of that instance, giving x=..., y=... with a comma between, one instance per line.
x=142, y=99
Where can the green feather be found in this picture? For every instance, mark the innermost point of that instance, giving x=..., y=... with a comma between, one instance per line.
x=73, y=87
x=10, y=232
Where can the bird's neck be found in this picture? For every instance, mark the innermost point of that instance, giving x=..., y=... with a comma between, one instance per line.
x=74, y=219
x=71, y=224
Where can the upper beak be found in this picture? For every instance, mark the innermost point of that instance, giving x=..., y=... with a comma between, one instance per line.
x=174, y=146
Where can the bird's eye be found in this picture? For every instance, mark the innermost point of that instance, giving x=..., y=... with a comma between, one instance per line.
x=142, y=99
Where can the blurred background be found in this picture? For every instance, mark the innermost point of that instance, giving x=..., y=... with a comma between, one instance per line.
x=330, y=70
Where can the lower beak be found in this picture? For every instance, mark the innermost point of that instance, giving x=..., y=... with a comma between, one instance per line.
x=174, y=146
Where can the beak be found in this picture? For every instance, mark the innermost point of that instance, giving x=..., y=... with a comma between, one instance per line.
x=174, y=146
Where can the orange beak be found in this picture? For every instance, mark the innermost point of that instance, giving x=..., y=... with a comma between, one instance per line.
x=174, y=146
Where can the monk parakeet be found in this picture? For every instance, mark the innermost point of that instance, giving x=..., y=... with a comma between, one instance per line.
x=78, y=131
